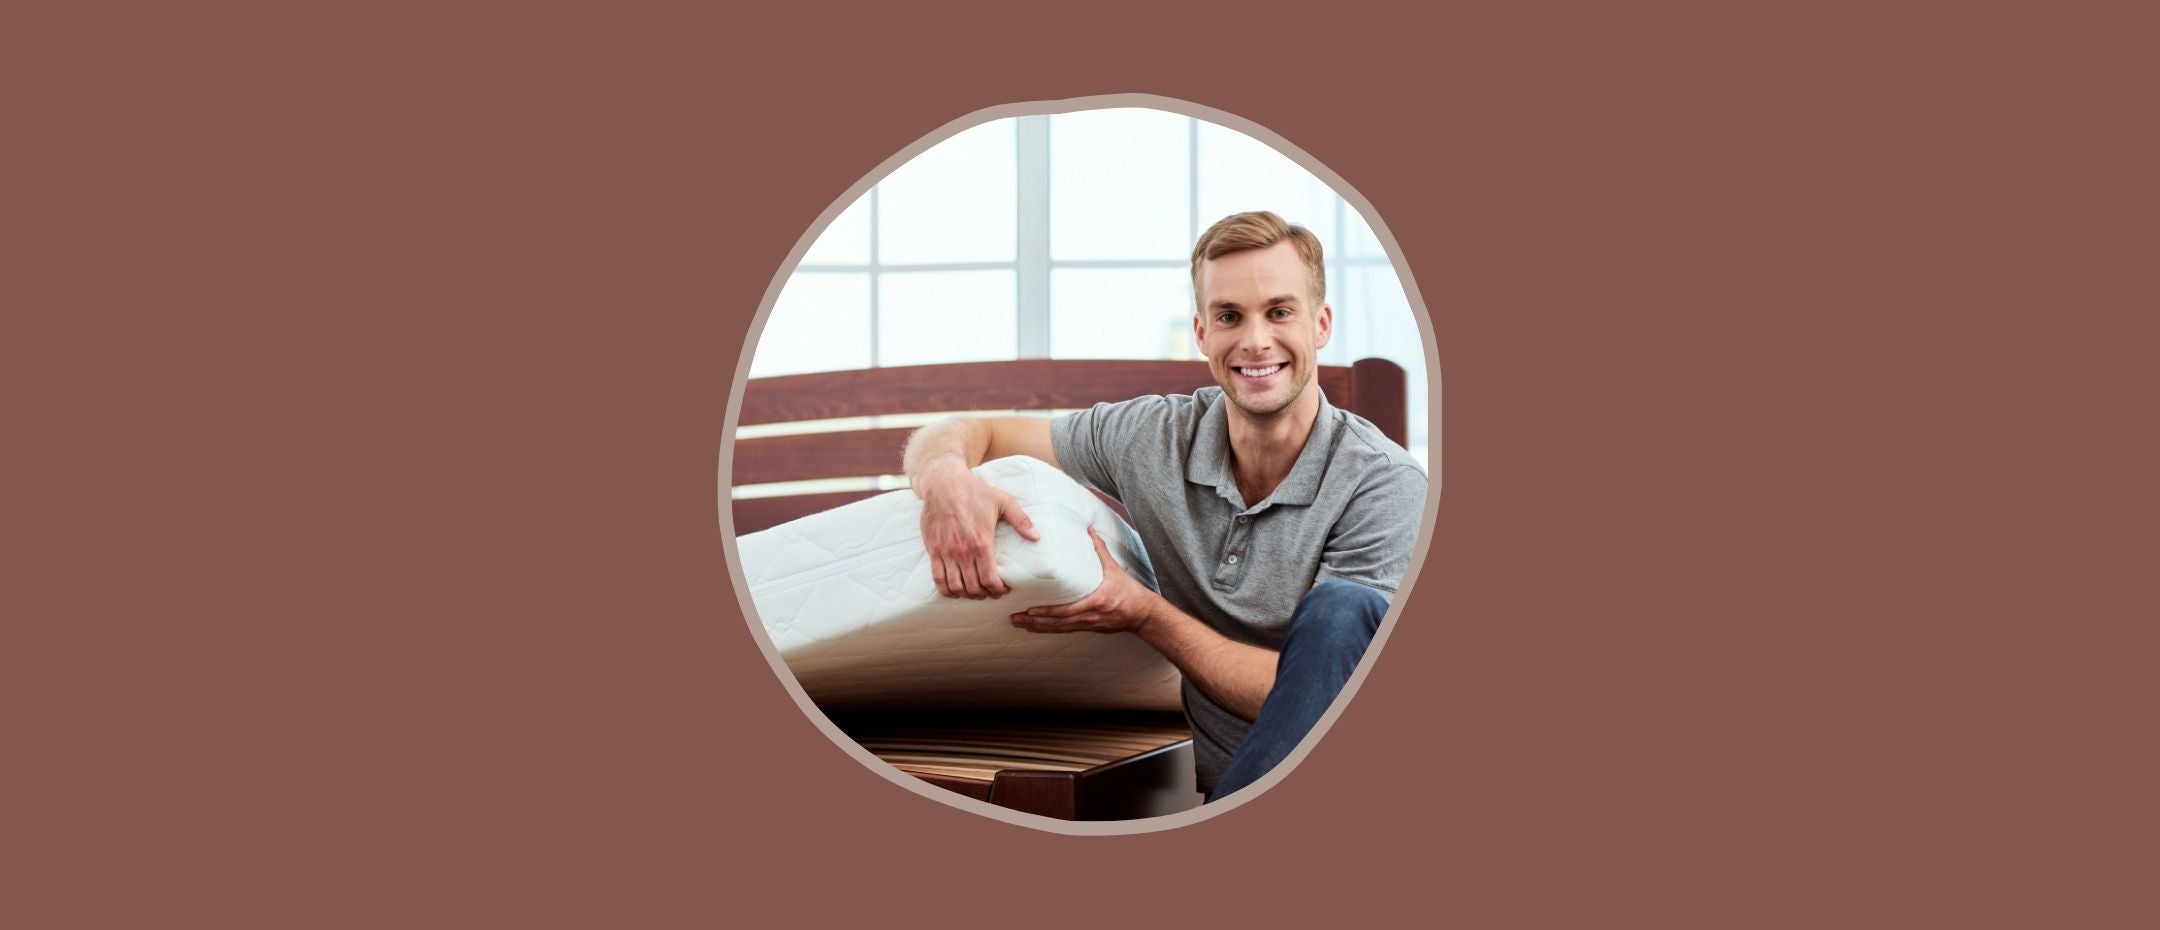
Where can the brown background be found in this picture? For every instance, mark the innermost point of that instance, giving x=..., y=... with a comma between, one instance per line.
x=366, y=374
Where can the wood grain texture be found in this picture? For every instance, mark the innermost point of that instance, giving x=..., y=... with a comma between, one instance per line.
x=1372, y=388
x=1025, y=384
x=1108, y=765
x=805, y=456
x=1379, y=392
x=978, y=789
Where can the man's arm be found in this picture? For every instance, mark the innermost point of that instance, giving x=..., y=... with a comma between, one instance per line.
x=960, y=510
x=1236, y=676
x=1371, y=543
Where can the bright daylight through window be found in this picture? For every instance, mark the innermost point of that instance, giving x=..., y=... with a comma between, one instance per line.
x=1071, y=241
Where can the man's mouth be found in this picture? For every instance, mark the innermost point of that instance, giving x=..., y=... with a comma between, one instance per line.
x=1261, y=372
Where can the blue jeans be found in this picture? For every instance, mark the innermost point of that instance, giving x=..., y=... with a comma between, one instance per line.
x=1329, y=631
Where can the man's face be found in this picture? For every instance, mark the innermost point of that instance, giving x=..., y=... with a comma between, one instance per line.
x=1261, y=327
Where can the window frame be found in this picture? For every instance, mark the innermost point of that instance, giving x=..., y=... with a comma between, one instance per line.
x=1032, y=264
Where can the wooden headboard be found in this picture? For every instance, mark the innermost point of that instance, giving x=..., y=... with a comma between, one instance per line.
x=1372, y=388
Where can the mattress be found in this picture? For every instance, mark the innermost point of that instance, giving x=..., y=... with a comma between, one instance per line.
x=846, y=597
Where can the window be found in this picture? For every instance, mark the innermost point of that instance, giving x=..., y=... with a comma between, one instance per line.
x=1067, y=236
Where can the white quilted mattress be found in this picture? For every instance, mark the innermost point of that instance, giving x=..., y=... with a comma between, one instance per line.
x=847, y=598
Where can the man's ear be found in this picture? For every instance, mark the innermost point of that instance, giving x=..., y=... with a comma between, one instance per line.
x=1199, y=334
x=1326, y=321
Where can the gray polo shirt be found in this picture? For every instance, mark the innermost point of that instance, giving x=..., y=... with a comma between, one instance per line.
x=1349, y=509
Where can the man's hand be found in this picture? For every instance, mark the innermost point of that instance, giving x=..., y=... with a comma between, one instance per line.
x=959, y=529
x=1118, y=605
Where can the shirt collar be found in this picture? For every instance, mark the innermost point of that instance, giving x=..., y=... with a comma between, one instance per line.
x=1209, y=463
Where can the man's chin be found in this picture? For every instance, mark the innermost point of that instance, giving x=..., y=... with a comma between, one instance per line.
x=1274, y=404
x=1261, y=409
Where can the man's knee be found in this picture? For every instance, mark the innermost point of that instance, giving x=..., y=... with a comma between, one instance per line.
x=1337, y=616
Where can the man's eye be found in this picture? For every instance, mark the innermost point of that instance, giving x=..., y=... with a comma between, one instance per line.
x=1280, y=313
x=1226, y=318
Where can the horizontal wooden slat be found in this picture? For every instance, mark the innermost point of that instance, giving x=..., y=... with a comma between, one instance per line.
x=1146, y=767
x=762, y=513
x=1374, y=389
x=1060, y=749
x=987, y=764
x=977, y=788
x=843, y=454
x=1026, y=384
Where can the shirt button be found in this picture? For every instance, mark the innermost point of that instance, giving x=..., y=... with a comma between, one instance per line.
x=1242, y=518
x=1233, y=558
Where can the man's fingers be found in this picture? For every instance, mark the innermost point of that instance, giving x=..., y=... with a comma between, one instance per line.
x=1059, y=611
x=1021, y=522
x=949, y=578
x=984, y=566
x=1102, y=550
x=993, y=584
x=968, y=580
x=1077, y=623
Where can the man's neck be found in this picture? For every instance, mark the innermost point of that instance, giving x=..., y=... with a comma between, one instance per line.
x=1264, y=449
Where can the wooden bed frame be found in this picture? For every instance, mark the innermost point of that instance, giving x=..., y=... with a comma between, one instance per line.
x=1069, y=766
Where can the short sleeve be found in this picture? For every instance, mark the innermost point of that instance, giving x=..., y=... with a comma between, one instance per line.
x=1372, y=541
x=1093, y=444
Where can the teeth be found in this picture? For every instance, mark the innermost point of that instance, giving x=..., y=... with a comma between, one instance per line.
x=1260, y=372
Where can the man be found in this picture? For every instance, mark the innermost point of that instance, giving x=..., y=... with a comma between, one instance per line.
x=1278, y=525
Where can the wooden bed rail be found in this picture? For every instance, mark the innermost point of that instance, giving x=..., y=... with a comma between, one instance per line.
x=1372, y=388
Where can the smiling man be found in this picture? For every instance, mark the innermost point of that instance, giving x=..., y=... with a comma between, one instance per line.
x=1278, y=525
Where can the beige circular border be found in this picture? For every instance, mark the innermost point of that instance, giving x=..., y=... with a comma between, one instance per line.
x=1425, y=527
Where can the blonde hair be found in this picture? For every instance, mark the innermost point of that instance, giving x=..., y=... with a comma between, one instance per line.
x=1258, y=230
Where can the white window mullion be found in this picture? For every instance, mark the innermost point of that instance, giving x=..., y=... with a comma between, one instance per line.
x=1341, y=245
x=874, y=236
x=1334, y=254
x=1192, y=179
x=1033, y=245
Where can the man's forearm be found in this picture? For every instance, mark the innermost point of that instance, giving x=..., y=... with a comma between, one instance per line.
x=1237, y=676
x=960, y=439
